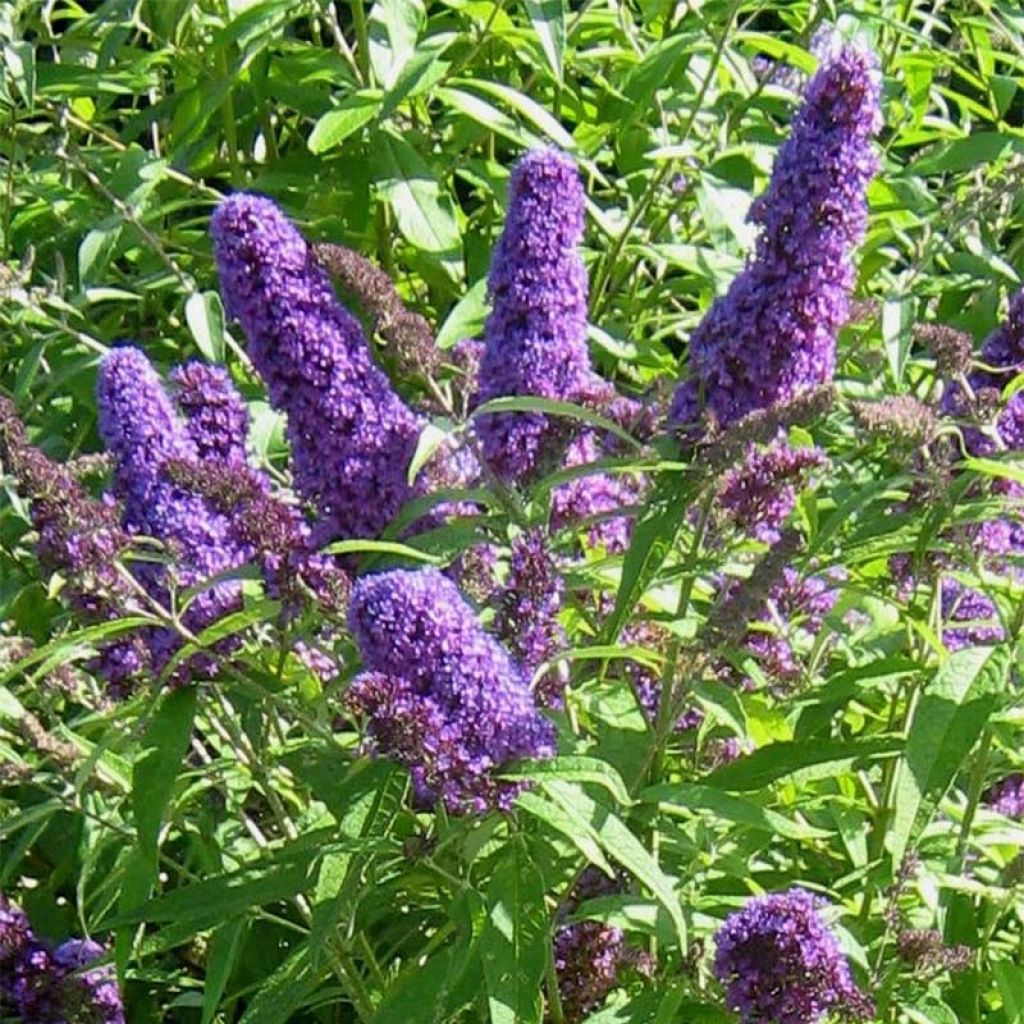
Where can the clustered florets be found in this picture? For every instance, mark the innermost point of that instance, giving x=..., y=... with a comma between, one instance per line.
x=46, y=984
x=780, y=963
x=758, y=495
x=352, y=438
x=1007, y=796
x=216, y=418
x=144, y=433
x=527, y=612
x=590, y=957
x=441, y=695
x=774, y=333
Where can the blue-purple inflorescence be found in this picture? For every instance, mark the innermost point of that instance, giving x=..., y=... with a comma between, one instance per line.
x=773, y=334
x=352, y=437
x=796, y=604
x=44, y=984
x=143, y=432
x=1002, y=356
x=527, y=612
x=536, y=334
x=595, y=497
x=759, y=494
x=442, y=696
x=590, y=956
x=215, y=415
x=779, y=962
x=1007, y=796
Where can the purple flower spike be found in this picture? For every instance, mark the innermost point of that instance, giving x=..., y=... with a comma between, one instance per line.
x=352, y=437
x=528, y=607
x=773, y=334
x=215, y=414
x=779, y=962
x=442, y=696
x=143, y=433
x=759, y=495
x=536, y=335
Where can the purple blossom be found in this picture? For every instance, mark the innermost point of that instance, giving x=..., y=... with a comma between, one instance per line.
x=79, y=537
x=47, y=985
x=443, y=697
x=759, y=495
x=1007, y=796
x=591, y=956
x=970, y=617
x=797, y=605
x=594, y=496
x=527, y=617
x=773, y=334
x=15, y=931
x=779, y=962
x=1003, y=357
x=536, y=334
x=143, y=433
x=216, y=418
x=352, y=437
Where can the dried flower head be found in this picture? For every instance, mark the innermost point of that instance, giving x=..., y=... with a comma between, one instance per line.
x=899, y=418
x=950, y=347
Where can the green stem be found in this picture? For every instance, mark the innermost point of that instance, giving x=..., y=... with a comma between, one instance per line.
x=227, y=113
x=362, y=40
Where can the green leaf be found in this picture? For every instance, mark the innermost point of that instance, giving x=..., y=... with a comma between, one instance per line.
x=158, y=763
x=963, y=154
x=514, y=946
x=285, y=991
x=431, y=439
x=221, y=957
x=394, y=27
x=819, y=759
x=687, y=798
x=337, y=125
x=424, y=211
x=467, y=317
x=947, y=722
x=622, y=846
x=387, y=547
x=653, y=540
x=553, y=407
x=574, y=768
x=548, y=20
x=568, y=822
x=204, y=315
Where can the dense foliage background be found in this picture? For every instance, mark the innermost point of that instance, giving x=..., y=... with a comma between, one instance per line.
x=243, y=856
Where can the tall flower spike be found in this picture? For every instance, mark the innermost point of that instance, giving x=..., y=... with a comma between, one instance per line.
x=352, y=437
x=780, y=962
x=215, y=415
x=442, y=696
x=139, y=425
x=536, y=335
x=773, y=334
